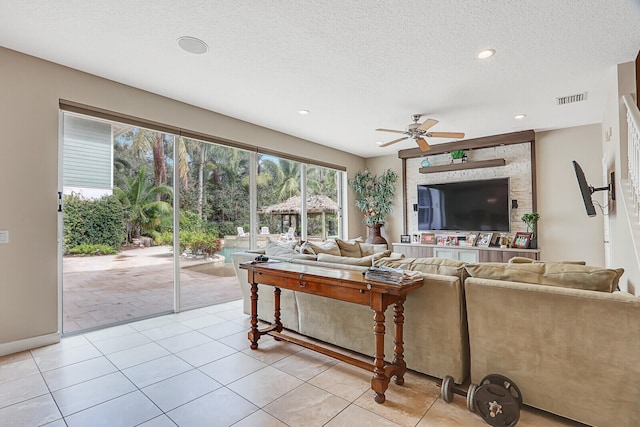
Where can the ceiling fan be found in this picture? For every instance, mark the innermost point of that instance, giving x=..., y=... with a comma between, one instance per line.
x=419, y=132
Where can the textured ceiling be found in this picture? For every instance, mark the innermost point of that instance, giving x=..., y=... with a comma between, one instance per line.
x=355, y=65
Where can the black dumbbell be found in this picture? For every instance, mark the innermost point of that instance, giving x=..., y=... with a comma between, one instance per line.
x=449, y=388
x=496, y=399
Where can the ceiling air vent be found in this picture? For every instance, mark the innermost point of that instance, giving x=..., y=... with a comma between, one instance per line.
x=572, y=98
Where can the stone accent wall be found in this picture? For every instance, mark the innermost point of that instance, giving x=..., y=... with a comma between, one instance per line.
x=517, y=168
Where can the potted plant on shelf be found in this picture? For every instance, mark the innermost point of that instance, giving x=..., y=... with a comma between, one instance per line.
x=374, y=197
x=458, y=156
x=531, y=219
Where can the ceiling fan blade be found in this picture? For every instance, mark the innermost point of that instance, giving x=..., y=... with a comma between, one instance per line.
x=390, y=130
x=428, y=124
x=393, y=142
x=422, y=143
x=446, y=134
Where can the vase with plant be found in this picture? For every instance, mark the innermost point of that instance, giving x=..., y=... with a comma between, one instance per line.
x=458, y=156
x=374, y=197
x=531, y=219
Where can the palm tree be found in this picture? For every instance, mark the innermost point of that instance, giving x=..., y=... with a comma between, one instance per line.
x=291, y=179
x=143, y=210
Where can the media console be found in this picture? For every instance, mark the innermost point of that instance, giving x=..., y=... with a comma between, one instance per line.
x=464, y=253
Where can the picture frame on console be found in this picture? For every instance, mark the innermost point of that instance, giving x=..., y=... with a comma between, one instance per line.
x=471, y=239
x=451, y=241
x=521, y=240
x=484, y=239
x=405, y=238
x=428, y=239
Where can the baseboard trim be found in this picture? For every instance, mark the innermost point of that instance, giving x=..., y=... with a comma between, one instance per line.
x=29, y=343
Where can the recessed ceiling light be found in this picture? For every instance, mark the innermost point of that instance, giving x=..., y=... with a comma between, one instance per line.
x=487, y=53
x=303, y=112
x=519, y=116
x=192, y=45
x=379, y=142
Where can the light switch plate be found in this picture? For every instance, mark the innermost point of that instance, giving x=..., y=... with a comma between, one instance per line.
x=4, y=237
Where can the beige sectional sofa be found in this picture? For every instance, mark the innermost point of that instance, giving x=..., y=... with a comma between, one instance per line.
x=560, y=331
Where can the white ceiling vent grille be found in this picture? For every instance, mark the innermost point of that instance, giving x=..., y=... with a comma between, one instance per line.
x=572, y=98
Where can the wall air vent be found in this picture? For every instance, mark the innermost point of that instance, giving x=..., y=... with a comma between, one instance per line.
x=572, y=98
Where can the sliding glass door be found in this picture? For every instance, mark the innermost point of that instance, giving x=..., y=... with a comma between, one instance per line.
x=214, y=206
x=117, y=197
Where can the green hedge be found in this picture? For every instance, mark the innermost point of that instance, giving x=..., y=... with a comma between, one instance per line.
x=93, y=222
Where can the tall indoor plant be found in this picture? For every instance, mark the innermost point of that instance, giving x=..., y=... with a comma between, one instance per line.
x=374, y=197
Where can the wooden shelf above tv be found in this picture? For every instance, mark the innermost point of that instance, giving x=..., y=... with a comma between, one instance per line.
x=462, y=166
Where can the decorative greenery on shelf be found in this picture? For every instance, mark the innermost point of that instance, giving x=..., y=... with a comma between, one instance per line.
x=531, y=219
x=374, y=194
x=457, y=154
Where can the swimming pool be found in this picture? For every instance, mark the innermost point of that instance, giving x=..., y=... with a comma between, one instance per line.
x=226, y=253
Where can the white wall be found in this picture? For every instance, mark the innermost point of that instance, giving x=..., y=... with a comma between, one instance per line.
x=621, y=235
x=566, y=233
x=29, y=116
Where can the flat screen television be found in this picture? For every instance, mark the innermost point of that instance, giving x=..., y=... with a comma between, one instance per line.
x=481, y=205
x=585, y=189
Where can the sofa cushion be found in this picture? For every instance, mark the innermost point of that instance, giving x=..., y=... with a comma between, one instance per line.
x=363, y=261
x=329, y=247
x=371, y=248
x=349, y=249
x=550, y=273
x=525, y=260
x=443, y=266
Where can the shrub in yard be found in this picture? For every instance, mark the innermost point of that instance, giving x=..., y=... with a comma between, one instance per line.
x=192, y=241
x=89, y=249
x=93, y=222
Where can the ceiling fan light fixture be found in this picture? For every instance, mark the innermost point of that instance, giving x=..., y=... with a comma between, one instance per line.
x=487, y=53
x=519, y=116
x=192, y=45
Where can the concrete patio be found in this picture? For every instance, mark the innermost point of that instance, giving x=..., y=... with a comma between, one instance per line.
x=137, y=283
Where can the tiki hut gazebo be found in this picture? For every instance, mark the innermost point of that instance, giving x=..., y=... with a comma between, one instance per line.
x=316, y=205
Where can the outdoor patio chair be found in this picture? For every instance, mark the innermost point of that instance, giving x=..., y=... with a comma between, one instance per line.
x=264, y=230
x=289, y=236
x=241, y=232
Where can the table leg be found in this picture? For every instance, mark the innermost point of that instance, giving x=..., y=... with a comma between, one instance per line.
x=276, y=312
x=380, y=381
x=254, y=333
x=398, y=349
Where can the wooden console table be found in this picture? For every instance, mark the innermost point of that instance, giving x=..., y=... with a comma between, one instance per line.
x=343, y=285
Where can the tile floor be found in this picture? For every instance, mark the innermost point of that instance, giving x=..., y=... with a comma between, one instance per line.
x=195, y=369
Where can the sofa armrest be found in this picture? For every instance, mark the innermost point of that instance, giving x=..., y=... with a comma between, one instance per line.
x=570, y=351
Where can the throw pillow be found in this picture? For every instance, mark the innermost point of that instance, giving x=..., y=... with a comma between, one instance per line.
x=283, y=249
x=349, y=249
x=371, y=248
x=328, y=247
